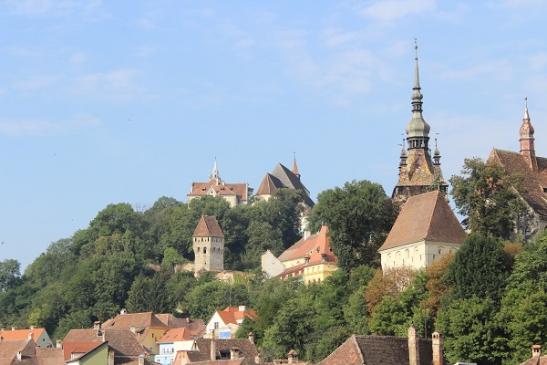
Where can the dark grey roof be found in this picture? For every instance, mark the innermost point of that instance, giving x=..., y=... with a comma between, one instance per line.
x=291, y=181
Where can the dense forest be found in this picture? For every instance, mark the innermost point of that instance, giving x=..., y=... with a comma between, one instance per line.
x=488, y=300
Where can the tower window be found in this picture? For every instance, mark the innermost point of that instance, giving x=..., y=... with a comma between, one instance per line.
x=204, y=249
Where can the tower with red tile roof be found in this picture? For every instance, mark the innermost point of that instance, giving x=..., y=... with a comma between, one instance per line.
x=208, y=245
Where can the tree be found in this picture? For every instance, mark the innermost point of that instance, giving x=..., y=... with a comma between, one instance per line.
x=485, y=194
x=470, y=331
x=480, y=268
x=359, y=216
x=202, y=301
x=524, y=304
x=9, y=274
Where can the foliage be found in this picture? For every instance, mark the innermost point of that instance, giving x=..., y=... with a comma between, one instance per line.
x=9, y=274
x=359, y=216
x=485, y=194
x=470, y=331
x=480, y=268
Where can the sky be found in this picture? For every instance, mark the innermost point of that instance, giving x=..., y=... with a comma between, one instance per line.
x=127, y=101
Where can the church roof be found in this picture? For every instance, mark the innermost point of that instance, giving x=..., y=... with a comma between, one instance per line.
x=208, y=227
x=425, y=217
x=534, y=184
x=282, y=177
x=221, y=188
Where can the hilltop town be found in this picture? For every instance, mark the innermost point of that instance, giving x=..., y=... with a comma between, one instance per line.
x=274, y=276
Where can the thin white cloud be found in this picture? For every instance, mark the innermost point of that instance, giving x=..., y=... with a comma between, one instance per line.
x=44, y=128
x=391, y=10
x=77, y=58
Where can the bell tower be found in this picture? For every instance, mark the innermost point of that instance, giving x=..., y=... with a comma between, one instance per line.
x=527, y=149
x=208, y=245
x=418, y=172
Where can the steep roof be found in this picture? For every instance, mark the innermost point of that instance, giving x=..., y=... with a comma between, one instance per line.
x=196, y=327
x=122, y=341
x=247, y=348
x=538, y=360
x=9, y=350
x=533, y=182
x=426, y=217
x=233, y=314
x=282, y=177
x=377, y=350
x=316, y=247
x=208, y=227
x=46, y=356
x=138, y=320
x=22, y=334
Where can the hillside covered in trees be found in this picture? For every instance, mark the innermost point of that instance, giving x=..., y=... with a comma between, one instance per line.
x=489, y=299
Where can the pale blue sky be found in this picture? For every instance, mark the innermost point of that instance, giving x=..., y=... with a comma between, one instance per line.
x=126, y=101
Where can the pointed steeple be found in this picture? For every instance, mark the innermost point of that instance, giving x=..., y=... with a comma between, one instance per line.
x=294, y=169
x=436, y=155
x=417, y=129
x=527, y=149
x=215, y=174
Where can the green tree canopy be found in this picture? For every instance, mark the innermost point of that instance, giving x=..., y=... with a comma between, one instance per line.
x=359, y=216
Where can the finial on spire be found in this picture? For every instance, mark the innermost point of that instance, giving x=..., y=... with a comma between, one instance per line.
x=526, y=114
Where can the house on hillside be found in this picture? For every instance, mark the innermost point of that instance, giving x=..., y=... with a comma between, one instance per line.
x=225, y=323
x=425, y=229
x=234, y=193
x=388, y=350
x=38, y=335
x=533, y=172
x=174, y=340
x=122, y=345
x=149, y=327
x=28, y=352
x=310, y=259
x=222, y=352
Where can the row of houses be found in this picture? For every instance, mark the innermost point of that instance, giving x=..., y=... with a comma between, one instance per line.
x=114, y=345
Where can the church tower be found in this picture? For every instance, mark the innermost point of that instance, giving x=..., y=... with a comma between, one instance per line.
x=208, y=245
x=418, y=172
x=527, y=149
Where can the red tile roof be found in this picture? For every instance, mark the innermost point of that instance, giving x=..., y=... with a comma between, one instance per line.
x=52, y=356
x=425, y=217
x=220, y=188
x=315, y=248
x=122, y=341
x=9, y=350
x=208, y=227
x=175, y=335
x=138, y=320
x=533, y=182
x=21, y=334
x=233, y=315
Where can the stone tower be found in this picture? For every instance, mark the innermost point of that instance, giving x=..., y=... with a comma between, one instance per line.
x=418, y=172
x=208, y=245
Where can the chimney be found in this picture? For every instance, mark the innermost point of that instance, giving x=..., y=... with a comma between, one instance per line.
x=59, y=344
x=437, y=343
x=1, y=339
x=234, y=353
x=413, y=351
x=292, y=357
x=31, y=328
x=213, y=349
x=19, y=355
x=141, y=360
x=123, y=311
x=13, y=328
x=97, y=327
x=251, y=337
x=133, y=330
x=242, y=308
x=536, y=350
x=29, y=336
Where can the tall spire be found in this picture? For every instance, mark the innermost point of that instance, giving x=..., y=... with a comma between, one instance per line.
x=215, y=174
x=295, y=166
x=527, y=149
x=417, y=130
